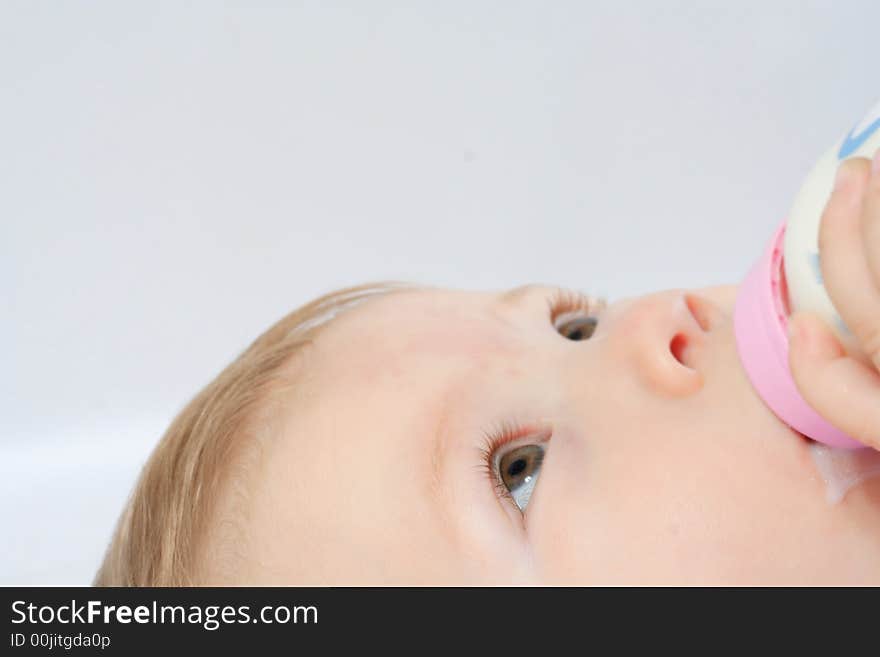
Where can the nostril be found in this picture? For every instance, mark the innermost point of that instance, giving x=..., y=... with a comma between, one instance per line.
x=678, y=347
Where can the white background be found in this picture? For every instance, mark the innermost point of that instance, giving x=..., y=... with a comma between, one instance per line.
x=174, y=177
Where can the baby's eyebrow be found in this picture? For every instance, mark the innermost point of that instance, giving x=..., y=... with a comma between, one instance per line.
x=515, y=295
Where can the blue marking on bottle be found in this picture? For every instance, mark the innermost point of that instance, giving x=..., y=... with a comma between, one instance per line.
x=816, y=267
x=852, y=143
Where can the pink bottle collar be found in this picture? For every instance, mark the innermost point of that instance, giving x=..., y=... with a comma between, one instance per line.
x=760, y=323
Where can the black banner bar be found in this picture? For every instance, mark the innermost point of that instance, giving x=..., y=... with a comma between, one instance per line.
x=62, y=620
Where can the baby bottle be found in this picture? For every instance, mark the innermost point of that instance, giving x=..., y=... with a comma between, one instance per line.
x=787, y=278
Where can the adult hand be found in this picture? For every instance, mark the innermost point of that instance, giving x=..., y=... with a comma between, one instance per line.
x=843, y=389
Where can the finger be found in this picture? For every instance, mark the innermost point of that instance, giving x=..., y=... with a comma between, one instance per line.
x=839, y=388
x=845, y=272
x=871, y=220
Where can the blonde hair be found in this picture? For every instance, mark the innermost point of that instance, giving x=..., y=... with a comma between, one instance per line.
x=159, y=535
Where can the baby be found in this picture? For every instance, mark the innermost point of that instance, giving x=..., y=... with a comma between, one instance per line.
x=392, y=434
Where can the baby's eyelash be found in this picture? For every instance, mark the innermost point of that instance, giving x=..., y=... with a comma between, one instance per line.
x=564, y=301
x=494, y=439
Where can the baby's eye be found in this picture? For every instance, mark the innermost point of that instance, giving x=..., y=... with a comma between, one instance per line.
x=577, y=328
x=518, y=471
x=574, y=314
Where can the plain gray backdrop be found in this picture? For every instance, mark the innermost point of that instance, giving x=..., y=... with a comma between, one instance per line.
x=175, y=176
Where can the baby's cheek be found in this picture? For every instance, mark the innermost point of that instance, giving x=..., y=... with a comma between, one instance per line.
x=607, y=517
x=571, y=535
x=603, y=536
x=560, y=517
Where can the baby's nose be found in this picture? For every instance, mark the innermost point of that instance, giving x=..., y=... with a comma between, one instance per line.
x=663, y=338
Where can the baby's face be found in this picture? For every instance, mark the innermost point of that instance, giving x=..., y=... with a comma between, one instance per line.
x=648, y=456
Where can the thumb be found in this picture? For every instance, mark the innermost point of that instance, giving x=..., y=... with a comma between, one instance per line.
x=841, y=389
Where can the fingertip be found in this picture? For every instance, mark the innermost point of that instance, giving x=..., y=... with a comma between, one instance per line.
x=814, y=338
x=802, y=327
x=851, y=174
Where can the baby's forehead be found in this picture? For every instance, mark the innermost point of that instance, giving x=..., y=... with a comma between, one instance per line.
x=406, y=329
x=418, y=311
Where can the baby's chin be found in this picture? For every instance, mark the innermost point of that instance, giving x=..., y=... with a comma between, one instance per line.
x=830, y=472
